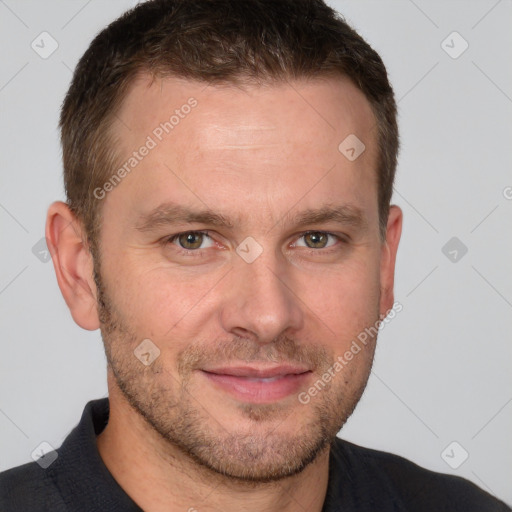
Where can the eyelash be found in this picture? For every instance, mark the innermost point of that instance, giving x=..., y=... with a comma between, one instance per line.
x=187, y=252
x=199, y=252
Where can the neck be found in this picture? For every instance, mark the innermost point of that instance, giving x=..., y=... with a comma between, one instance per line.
x=156, y=474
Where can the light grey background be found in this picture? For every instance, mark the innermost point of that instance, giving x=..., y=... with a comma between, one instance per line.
x=442, y=369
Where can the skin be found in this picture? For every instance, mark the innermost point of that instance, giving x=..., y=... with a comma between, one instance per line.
x=258, y=155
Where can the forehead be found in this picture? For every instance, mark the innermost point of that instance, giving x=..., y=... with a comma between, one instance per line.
x=248, y=113
x=264, y=145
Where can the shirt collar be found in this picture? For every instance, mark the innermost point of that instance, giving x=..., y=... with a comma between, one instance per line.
x=79, y=472
x=86, y=485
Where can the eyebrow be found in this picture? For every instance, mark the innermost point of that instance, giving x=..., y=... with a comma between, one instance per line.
x=168, y=214
x=171, y=213
x=342, y=214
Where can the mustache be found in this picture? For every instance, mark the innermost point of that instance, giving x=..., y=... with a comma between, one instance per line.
x=283, y=350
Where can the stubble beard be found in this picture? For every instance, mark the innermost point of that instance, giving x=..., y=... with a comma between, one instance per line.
x=264, y=454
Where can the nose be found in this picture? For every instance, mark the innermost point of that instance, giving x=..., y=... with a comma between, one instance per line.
x=260, y=302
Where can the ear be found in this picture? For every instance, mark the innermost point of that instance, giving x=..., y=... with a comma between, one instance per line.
x=388, y=258
x=73, y=264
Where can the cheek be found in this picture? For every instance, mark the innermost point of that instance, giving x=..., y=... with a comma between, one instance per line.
x=162, y=303
x=158, y=302
x=347, y=298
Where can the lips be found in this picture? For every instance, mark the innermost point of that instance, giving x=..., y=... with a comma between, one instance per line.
x=258, y=384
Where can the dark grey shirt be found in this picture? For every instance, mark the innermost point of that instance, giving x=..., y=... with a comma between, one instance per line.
x=360, y=479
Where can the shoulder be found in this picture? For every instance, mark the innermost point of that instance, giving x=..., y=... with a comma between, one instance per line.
x=28, y=488
x=419, y=489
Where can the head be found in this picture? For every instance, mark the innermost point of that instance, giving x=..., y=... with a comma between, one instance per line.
x=229, y=168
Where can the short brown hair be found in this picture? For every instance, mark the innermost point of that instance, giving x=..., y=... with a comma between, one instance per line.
x=212, y=41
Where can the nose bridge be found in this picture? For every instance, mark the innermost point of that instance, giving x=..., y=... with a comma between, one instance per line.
x=259, y=303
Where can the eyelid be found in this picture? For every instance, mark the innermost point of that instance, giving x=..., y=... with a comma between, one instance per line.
x=173, y=238
x=339, y=238
x=206, y=233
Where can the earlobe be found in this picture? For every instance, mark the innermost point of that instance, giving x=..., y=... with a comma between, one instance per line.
x=388, y=258
x=73, y=264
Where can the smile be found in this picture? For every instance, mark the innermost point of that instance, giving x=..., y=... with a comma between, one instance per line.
x=258, y=385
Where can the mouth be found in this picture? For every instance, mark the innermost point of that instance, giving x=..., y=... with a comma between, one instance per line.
x=263, y=384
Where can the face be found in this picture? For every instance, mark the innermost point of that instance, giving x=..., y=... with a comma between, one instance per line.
x=245, y=246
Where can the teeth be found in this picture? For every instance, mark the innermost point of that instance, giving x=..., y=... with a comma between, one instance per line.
x=261, y=379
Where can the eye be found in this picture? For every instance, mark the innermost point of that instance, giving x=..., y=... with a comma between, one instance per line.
x=192, y=240
x=317, y=240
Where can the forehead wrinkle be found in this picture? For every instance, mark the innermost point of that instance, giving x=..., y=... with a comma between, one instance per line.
x=239, y=136
x=246, y=146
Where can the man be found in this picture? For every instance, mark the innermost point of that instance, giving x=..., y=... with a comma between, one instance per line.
x=229, y=168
